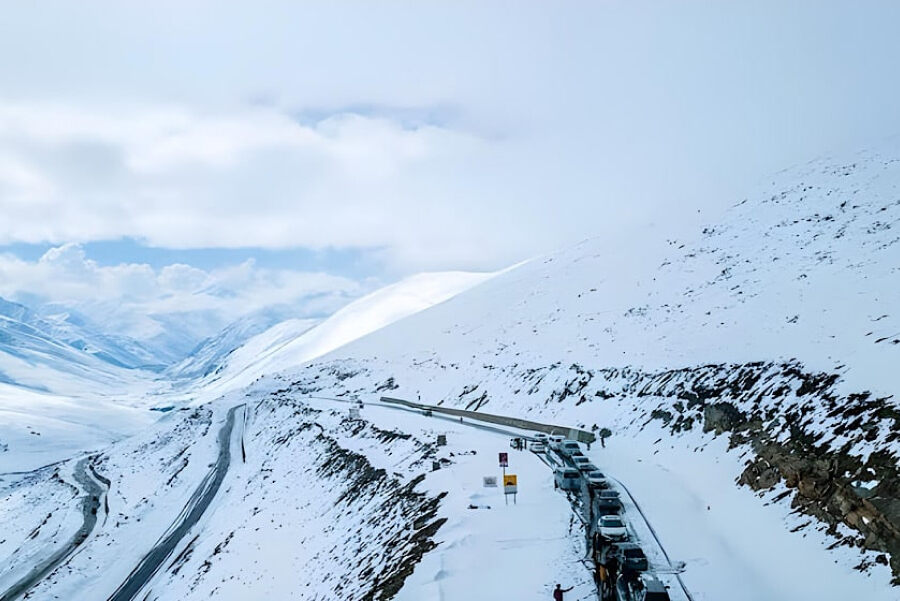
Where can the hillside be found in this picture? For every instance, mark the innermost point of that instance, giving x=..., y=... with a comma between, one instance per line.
x=740, y=383
x=295, y=341
x=758, y=354
x=211, y=355
x=59, y=353
x=60, y=395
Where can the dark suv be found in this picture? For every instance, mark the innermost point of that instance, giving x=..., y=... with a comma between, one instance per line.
x=608, y=502
x=632, y=557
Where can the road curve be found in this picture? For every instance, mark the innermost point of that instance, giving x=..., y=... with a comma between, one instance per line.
x=418, y=407
x=674, y=572
x=189, y=516
x=90, y=504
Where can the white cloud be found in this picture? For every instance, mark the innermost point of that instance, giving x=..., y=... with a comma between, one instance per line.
x=129, y=298
x=250, y=178
x=563, y=122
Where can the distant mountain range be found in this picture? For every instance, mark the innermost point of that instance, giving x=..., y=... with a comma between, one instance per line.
x=58, y=351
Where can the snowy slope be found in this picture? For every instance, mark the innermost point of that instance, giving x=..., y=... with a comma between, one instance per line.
x=315, y=506
x=38, y=428
x=761, y=351
x=808, y=268
x=211, y=354
x=744, y=377
x=293, y=342
x=53, y=354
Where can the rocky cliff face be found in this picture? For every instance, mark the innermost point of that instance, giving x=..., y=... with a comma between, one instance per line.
x=841, y=470
x=835, y=455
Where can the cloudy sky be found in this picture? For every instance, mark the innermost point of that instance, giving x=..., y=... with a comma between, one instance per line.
x=325, y=148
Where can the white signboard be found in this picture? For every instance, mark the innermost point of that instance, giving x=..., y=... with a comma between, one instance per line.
x=490, y=481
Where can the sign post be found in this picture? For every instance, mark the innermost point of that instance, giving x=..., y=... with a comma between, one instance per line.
x=510, y=487
x=509, y=480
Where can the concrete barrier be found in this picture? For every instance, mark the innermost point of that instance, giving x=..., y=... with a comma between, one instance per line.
x=571, y=433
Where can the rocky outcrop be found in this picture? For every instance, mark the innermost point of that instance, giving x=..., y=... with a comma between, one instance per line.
x=813, y=445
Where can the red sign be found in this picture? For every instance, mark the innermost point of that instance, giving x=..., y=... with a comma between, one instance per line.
x=504, y=460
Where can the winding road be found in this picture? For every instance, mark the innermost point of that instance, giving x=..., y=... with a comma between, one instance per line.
x=189, y=516
x=94, y=488
x=513, y=429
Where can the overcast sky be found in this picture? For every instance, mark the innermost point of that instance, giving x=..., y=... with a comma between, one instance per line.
x=371, y=140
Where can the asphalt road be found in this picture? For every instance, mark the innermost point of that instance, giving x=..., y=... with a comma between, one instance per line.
x=90, y=505
x=189, y=516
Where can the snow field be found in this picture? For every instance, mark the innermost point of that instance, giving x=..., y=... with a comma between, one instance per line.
x=741, y=547
x=40, y=513
x=497, y=551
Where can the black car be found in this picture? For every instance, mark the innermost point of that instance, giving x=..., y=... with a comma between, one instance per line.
x=607, y=501
x=631, y=557
x=642, y=588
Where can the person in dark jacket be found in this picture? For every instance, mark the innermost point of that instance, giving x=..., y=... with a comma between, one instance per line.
x=558, y=592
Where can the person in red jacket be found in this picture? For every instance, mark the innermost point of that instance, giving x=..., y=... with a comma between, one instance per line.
x=558, y=592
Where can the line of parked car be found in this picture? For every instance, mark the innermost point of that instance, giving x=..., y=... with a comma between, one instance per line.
x=569, y=478
x=577, y=469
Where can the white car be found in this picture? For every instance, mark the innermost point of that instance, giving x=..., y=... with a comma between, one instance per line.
x=596, y=479
x=612, y=527
x=537, y=446
x=540, y=437
x=555, y=441
x=569, y=448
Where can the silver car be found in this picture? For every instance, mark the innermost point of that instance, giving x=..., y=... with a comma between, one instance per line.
x=595, y=479
x=579, y=460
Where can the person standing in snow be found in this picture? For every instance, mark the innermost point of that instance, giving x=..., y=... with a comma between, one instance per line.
x=559, y=591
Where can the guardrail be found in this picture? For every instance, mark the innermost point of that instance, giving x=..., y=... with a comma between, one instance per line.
x=571, y=433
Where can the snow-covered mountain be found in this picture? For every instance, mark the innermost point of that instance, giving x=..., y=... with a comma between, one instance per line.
x=76, y=329
x=58, y=352
x=295, y=341
x=61, y=378
x=211, y=354
x=761, y=353
x=744, y=377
